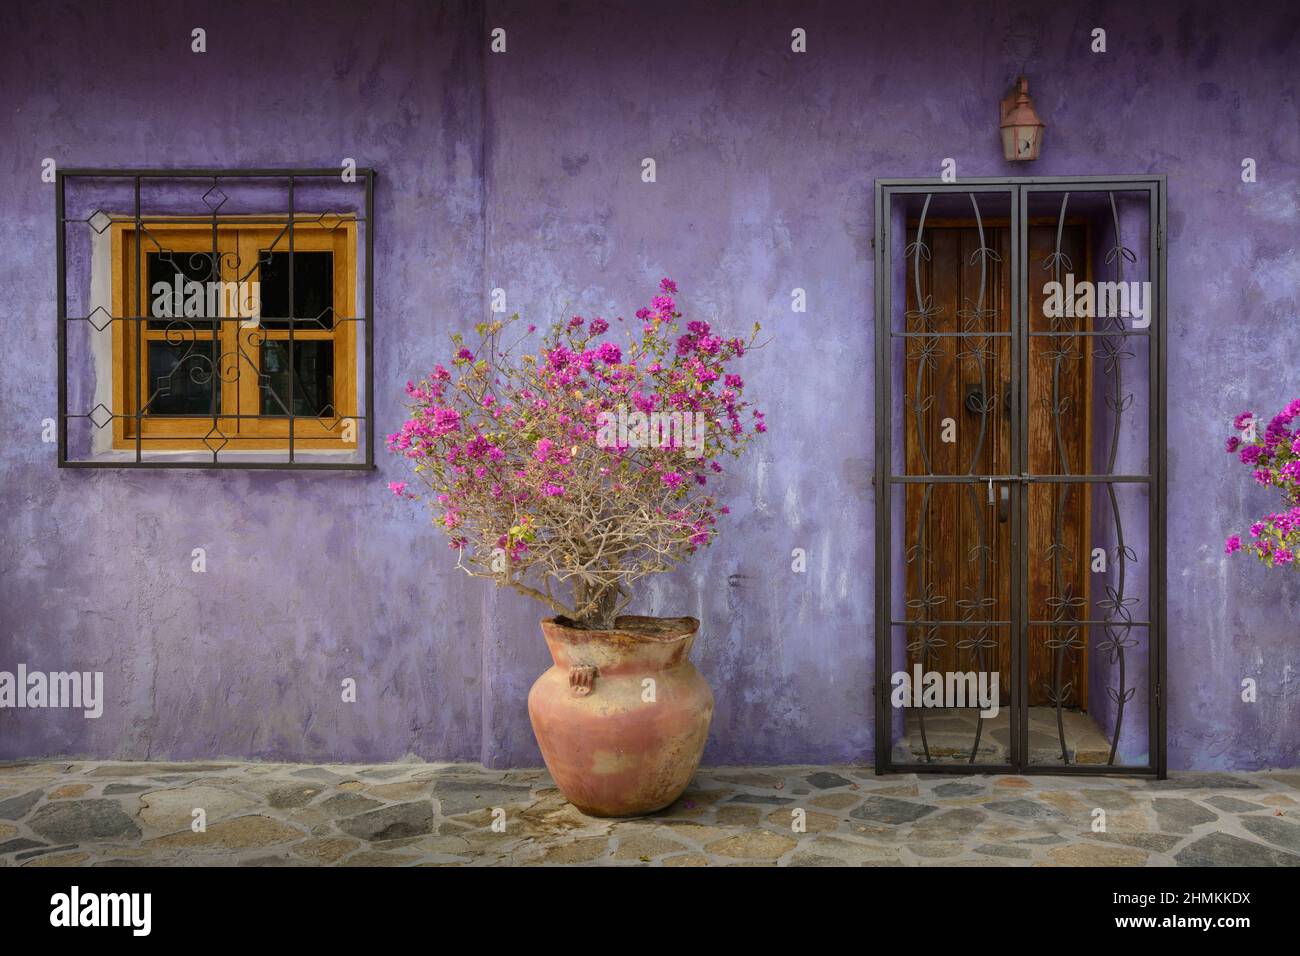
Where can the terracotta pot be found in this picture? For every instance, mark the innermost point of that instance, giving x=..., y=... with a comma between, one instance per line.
x=615, y=745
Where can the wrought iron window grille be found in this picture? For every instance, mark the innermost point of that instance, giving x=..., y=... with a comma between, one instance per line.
x=207, y=377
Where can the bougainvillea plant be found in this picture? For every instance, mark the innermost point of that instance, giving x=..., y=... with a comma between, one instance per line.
x=1274, y=459
x=567, y=465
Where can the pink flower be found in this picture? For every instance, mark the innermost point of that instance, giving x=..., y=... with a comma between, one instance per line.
x=397, y=487
x=1233, y=545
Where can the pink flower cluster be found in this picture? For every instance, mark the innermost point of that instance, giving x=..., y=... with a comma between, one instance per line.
x=505, y=440
x=1274, y=460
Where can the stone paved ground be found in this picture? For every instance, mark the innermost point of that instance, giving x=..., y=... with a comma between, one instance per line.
x=102, y=814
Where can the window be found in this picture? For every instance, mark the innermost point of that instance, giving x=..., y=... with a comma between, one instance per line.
x=220, y=361
x=210, y=331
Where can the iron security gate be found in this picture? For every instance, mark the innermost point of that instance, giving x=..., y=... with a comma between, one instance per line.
x=1020, y=472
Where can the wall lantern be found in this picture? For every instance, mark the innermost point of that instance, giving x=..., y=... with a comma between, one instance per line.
x=1022, y=130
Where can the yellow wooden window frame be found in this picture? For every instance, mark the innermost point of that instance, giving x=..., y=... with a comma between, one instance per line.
x=241, y=246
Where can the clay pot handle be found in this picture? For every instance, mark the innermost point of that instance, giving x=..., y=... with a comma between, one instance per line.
x=582, y=679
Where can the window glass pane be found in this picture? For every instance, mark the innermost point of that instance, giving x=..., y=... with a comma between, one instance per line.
x=313, y=378
x=162, y=297
x=179, y=380
x=313, y=289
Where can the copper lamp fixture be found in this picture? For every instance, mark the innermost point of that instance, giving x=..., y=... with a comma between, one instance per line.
x=1022, y=129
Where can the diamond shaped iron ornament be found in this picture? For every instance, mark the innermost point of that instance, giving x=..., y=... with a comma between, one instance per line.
x=99, y=221
x=214, y=198
x=97, y=326
x=100, y=416
x=207, y=439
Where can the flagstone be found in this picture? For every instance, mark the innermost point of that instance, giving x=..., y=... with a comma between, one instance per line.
x=391, y=822
x=581, y=850
x=237, y=834
x=169, y=810
x=68, y=791
x=743, y=816
x=888, y=810
x=1232, y=804
x=412, y=814
x=73, y=821
x=754, y=844
x=15, y=808
x=813, y=821
x=836, y=801
x=326, y=849
x=1090, y=854
x=1180, y=815
x=1225, y=849
x=1277, y=832
x=634, y=844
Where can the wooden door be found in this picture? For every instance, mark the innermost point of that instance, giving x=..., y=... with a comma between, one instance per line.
x=958, y=423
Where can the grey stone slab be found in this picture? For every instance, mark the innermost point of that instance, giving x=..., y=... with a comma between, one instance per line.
x=1221, y=801
x=348, y=804
x=762, y=799
x=1158, y=842
x=464, y=796
x=15, y=808
x=1277, y=832
x=1179, y=815
x=1023, y=809
x=124, y=789
x=1224, y=849
x=1001, y=850
x=958, y=789
x=288, y=798
x=21, y=843
x=391, y=823
x=949, y=824
x=76, y=821
x=890, y=810
x=825, y=780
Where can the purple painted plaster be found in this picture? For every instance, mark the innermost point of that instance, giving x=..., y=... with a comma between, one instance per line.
x=522, y=171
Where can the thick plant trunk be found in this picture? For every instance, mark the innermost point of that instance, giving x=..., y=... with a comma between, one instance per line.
x=596, y=605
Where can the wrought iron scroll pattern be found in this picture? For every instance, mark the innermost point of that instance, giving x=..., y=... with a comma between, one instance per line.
x=975, y=320
x=1063, y=635
x=1118, y=618
x=926, y=354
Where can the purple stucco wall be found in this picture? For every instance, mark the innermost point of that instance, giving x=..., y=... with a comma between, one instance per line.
x=522, y=171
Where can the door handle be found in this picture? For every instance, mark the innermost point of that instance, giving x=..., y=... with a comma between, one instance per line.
x=1004, y=504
